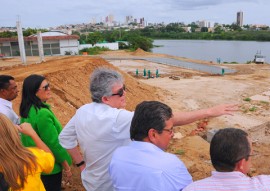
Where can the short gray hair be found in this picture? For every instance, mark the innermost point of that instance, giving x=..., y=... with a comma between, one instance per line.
x=102, y=81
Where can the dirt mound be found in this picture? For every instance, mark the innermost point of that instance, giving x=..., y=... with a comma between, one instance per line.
x=140, y=52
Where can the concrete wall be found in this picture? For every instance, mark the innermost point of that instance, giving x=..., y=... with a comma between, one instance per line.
x=111, y=46
x=71, y=45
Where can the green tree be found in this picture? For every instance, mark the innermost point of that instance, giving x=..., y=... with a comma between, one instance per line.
x=7, y=34
x=174, y=27
x=193, y=26
x=235, y=27
x=218, y=29
x=137, y=41
x=94, y=38
x=76, y=33
x=204, y=29
x=83, y=39
x=30, y=31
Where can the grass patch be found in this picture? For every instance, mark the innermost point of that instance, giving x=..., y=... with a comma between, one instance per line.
x=94, y=50
x=264, y=102
x=230, y=62
x=247, y=99
x=179, y=152
x=253, y=108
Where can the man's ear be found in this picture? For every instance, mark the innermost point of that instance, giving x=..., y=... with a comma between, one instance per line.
x=3, y=91
x=152, y=134
x=240, y=165
x=104, y=99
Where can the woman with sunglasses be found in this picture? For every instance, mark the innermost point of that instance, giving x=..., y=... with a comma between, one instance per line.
x=34, y=110
x=21, y=167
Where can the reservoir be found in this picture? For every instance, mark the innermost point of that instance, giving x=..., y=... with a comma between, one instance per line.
x=211, y=50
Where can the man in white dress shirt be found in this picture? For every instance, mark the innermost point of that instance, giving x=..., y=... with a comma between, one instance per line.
x=8, y=92
x=102, y=126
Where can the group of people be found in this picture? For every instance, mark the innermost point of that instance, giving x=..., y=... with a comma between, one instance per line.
x=124, y=150
x=31, y=156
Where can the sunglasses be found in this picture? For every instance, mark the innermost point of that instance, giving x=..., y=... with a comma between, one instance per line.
x=168, y=130
x=46, y=87
x=120, y=91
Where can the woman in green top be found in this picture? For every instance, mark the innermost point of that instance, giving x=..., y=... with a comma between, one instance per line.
x=34, y=110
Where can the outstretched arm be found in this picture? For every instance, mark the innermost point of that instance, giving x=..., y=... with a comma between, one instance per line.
x=183, y=118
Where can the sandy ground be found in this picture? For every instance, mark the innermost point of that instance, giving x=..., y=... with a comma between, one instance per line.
x=194, y=90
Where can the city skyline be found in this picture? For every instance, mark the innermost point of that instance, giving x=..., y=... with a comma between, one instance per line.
x=54, y=13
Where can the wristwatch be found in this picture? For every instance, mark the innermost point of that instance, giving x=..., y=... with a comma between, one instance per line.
x=80, y=163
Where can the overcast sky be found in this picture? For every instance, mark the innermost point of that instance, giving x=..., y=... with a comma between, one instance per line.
x=51, y=13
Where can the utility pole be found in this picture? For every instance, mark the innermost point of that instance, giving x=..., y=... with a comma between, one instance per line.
x=40, y=47
x=21, y=41
x=119, y=31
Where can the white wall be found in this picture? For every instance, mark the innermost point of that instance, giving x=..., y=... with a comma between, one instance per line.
x=69, y=45
x=111, y=46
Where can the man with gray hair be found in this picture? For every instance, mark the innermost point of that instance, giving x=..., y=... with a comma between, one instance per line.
x=8, y=92
x=103, y=125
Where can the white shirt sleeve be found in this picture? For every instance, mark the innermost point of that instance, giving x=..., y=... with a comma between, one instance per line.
x=68, y=136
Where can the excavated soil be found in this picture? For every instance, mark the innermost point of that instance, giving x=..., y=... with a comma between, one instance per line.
x=69, y=80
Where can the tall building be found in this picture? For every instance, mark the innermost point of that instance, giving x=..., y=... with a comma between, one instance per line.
x=110, y=18
x=203, y=23
x=142, y=22
x=239, y=18
x=93, y=21
x=129, y=19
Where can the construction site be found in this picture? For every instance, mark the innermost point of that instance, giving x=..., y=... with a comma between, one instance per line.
x=181, y=89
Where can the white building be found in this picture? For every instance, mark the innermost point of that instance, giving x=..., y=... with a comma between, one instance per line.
x=203, y=23
x=54, y=43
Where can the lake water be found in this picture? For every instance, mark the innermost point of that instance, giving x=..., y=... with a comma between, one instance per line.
x=227, y=51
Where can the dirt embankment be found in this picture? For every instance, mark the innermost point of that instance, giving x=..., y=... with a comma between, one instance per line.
x=69, y=80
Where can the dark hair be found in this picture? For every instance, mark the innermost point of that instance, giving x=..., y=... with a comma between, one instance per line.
x=228, y=147
x=102, y=81
x=149, y=115
x=4, y=81
x=31, y=85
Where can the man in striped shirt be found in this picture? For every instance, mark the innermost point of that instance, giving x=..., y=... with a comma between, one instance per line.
x=231, y=153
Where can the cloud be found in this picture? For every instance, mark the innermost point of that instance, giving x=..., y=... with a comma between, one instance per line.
x=199, y=4
x=52, y=13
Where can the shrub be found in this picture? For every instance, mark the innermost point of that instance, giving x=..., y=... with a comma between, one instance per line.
x=247, y=99
x=68, y=52
x=253, y=108
x=179, y=152
x=93, y=51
